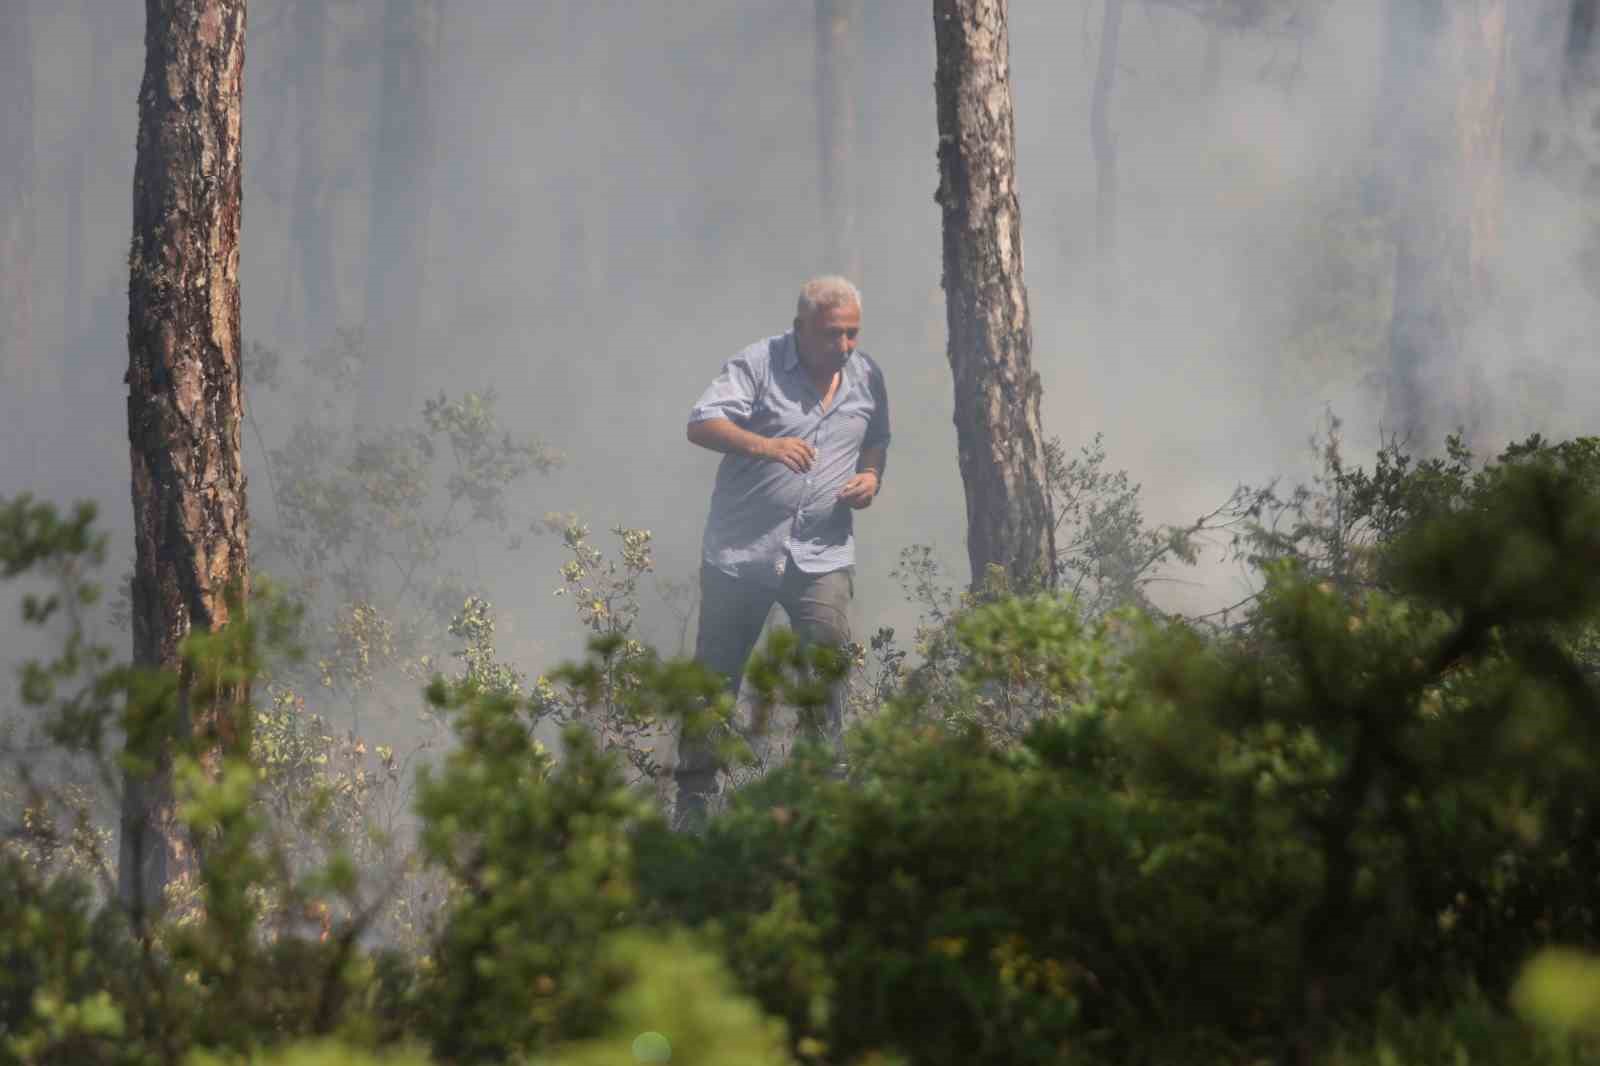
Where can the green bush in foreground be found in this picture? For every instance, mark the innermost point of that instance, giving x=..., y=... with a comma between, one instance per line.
x=665, y=985
x=1217, y=846
x=1336, y=834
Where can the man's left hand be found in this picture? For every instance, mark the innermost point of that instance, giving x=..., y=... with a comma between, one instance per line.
x=859, y=490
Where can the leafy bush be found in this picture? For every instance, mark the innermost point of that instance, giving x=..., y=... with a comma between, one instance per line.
x=1335, y=832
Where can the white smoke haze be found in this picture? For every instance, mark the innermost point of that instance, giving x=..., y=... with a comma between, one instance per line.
x=624, y=194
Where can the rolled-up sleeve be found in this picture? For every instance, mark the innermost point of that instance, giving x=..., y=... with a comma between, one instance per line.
x=732, y=395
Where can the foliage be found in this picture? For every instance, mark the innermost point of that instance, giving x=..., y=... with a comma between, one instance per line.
x=481, y=669
x=1380, y=793
x=666, y=984
x=543, y=866
x=378, y=528
x=1335, y=833
x=319, y=1053
x=1559, y=990
x=330, y=797
x=674, y=985
x=1106, y=556
x=1107, y=560
x=603, y=695
x=1470, y=1030
x=372, y=513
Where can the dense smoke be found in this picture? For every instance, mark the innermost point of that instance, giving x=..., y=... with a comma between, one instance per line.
x=621, y=195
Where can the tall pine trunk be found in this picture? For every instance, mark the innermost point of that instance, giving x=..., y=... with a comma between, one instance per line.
x=184, y=391
x=20, y=358
x=838, y=89
x=1441, y=134
x=990, y=338
x=401, y=197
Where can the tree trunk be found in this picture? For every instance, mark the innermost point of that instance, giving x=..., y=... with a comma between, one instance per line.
x=1213, y=61
x=20, y=359
x=1105, y=148
x=1581, y=42
x=1442, y=116
x=397, y=242
x=999, y=439
x=184, y=391
x=1580, y=94
x=838, y=88
x=313, y=229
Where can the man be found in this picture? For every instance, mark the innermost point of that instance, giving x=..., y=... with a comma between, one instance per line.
x=802, y=420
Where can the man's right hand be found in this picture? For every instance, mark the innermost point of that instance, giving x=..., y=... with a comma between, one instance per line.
x=792, y=452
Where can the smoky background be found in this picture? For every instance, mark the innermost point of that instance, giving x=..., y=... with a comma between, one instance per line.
x=614, y=197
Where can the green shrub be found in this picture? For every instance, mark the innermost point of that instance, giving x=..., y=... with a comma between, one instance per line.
x=1334, y=833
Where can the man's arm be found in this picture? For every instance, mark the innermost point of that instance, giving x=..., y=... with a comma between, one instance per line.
x=859, y=490
x=724, y=435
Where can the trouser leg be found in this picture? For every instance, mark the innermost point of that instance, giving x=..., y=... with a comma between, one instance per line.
x=731, y=615
x=818, y=606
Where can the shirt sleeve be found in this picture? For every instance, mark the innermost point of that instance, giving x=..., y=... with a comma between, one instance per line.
x=732, y=395
x=877, y=435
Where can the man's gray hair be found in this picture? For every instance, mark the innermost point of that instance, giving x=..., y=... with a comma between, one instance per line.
x=825, y=293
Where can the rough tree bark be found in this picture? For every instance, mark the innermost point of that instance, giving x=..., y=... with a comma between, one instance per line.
x=986, y=306
x=401, y=196
x=838, y=88
x=1441, y=138
x=19, y=355
x=184, y=391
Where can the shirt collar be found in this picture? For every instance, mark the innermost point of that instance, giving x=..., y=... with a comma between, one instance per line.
x=789, y=355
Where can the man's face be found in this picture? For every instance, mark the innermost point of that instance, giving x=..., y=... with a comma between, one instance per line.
x=828, y=338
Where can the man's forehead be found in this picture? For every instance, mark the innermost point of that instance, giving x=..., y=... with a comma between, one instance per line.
x=838, y=313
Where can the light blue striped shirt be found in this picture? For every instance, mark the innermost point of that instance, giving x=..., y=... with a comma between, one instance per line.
x=763, y=513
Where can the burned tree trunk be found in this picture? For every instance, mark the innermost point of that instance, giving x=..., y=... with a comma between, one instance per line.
x=19, y=355
x=401, y=197
x=184, y=391
x=990, y=337
x=838, y=85
x=1442, y=118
